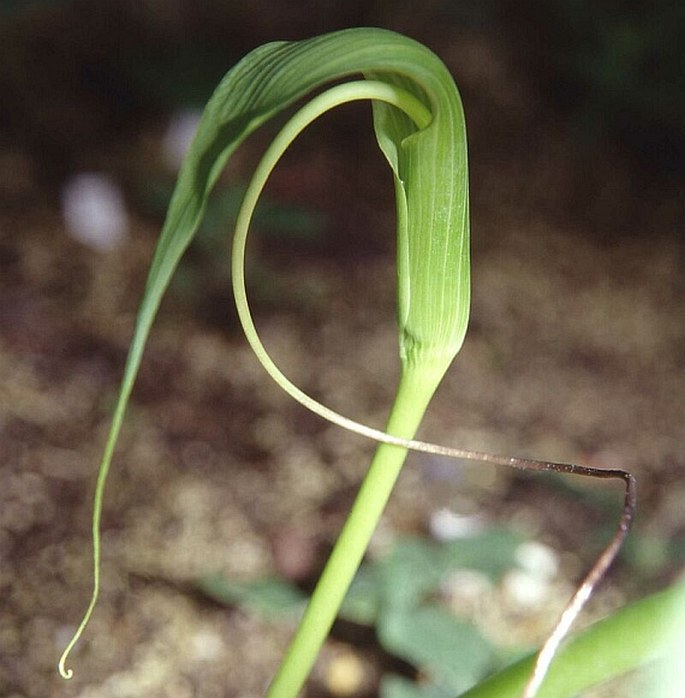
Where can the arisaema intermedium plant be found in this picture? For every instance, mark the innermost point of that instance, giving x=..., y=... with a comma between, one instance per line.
x=420, y=128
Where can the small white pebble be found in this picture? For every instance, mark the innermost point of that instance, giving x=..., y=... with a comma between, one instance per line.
x=524, y=590
x=538, y=560
x=206, y=645
x=179, y=135
x=467, y=585
x=94, y=211
x=345, y=674
x=446, y=525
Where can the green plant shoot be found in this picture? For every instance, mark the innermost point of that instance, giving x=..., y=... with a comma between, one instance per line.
x=420, y=127
x=419, y=124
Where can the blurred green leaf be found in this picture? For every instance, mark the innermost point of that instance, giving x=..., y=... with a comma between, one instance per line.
x=413, y=570
x=492, y=552
x=395, y=594
x=449, y=650
x=294, y=222
x=266, y=596
x=298, y=223
x=393, y=686
x=363, y=600
x=635, y=635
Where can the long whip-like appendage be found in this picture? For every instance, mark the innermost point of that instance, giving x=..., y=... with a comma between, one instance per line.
x=605, y=559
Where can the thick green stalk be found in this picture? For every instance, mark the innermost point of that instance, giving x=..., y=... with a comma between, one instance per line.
x=414, y=393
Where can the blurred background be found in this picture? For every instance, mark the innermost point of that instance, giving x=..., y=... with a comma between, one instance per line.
x=576, y=129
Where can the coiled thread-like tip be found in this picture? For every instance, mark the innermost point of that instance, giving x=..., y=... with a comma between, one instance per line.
x=65, y=673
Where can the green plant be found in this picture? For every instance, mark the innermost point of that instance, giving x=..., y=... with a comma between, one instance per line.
x=646, y=631
x=398, y=594
x=420, y=128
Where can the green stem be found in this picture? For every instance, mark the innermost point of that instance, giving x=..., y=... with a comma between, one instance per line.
x=413, y=395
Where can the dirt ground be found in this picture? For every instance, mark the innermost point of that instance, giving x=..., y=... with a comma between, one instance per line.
x=574, y=353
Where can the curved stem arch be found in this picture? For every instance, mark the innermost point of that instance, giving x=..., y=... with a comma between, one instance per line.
x=416, y=386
